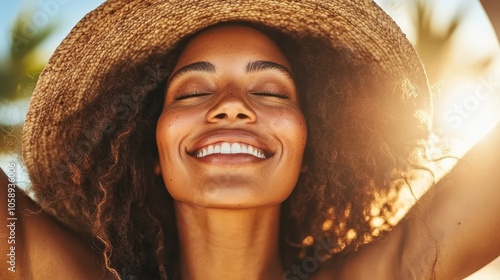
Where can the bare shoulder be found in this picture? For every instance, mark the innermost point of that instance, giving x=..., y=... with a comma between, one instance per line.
x=35, y=246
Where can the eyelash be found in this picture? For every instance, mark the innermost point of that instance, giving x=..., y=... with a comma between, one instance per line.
x=266, y=93
x=191, y=94
x=273, y=94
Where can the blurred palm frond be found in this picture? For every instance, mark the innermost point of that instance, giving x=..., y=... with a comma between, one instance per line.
x=19, y=72
x=434, y=45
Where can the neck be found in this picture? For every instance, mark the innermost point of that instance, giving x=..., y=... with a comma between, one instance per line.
x=228, y=244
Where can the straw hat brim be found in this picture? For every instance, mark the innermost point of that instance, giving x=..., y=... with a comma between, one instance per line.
x=121, y=32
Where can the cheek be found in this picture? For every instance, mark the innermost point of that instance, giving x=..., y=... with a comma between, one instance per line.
x=163, y=132
x=292, y=125
x=170, y=130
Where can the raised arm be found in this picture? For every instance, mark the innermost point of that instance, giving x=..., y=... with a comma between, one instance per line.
x=451, y=233
x=35, y=246
x=462, y=218
x=464, y=215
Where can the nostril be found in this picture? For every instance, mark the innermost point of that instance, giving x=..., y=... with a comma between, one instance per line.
x=241, y=116
x=220, y=116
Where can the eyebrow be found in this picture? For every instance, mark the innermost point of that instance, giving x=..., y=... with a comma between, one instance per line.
x=201, y=66
x=252, y=66
x=261, y=65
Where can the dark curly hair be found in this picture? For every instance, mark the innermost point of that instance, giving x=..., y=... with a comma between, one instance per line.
x=362, y=137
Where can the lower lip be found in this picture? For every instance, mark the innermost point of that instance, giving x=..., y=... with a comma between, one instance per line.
x=229, y=159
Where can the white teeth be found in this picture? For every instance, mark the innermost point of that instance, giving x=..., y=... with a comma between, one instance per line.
x=235, y=148
x=230, y=148
x=225, y=148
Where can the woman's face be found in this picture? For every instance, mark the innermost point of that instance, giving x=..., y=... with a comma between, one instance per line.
x=231, y=133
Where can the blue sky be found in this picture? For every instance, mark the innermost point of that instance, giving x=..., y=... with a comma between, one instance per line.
x=65, y=12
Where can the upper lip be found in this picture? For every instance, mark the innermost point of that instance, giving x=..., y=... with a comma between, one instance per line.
x=231, y=136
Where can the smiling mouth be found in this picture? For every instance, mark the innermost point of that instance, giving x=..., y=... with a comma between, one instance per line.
x=227, y=148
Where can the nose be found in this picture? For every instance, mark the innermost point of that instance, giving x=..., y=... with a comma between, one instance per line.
x=232, y=107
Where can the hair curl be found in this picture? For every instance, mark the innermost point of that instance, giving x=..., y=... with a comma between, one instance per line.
x=358, y=146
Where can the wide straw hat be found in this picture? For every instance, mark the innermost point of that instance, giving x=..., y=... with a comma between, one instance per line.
x=119, y=35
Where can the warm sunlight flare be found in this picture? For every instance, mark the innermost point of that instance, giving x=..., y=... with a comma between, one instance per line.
x=462, y=119
x=468, y=114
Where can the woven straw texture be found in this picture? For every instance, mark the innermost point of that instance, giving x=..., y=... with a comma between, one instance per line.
x=129, y=31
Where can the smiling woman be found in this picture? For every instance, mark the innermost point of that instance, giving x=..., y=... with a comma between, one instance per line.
x=243, y=140
x=225, y=96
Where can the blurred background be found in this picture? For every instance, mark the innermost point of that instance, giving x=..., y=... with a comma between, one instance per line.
x=454, y=39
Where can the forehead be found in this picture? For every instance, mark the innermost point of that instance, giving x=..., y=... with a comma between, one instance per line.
x=231, y=42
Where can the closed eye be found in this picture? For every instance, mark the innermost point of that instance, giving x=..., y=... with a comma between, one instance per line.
x=273, y=94
x=191, y=95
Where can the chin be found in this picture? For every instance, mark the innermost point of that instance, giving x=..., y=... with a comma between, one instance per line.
x=238, y=196
x=231, y=190
x=232, y=193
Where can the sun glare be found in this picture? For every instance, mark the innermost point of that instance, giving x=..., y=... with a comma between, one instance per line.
x=468, y=114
